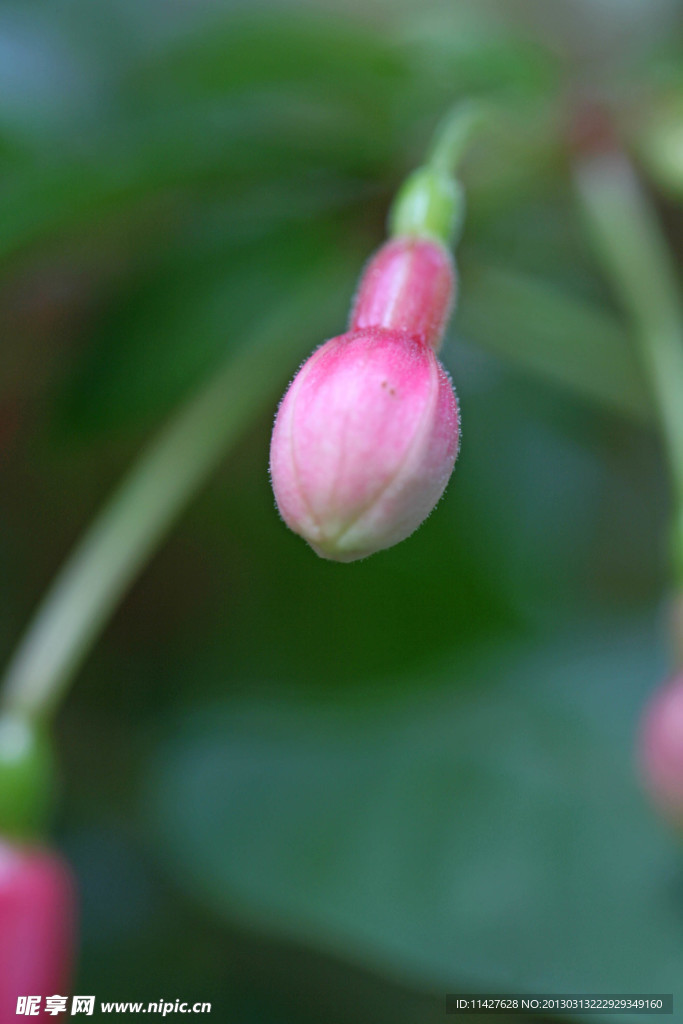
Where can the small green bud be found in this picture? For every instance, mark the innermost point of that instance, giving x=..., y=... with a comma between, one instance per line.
x=430, y=204
x=26, y=777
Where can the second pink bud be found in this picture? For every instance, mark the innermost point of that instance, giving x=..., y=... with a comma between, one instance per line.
x=37, y=912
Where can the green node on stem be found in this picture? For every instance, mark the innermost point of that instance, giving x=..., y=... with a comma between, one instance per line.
x=430, y=204
x=26, y=777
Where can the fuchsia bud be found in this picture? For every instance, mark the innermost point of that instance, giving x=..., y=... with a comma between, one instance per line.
x=366, y=437
x=409, y=286
x=37, y=912
x=661, y=750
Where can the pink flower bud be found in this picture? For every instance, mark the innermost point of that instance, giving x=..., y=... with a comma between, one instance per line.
x=409, y=286
x=37, y=912
x=661, y=750
x=366, y=437
x=364, y=442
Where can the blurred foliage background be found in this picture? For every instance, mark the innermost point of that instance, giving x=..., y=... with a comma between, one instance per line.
x=302, y=790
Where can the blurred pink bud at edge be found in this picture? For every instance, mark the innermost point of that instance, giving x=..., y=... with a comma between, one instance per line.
x=37, y=926
x=661, y=750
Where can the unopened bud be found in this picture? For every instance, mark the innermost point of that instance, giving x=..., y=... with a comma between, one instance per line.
x=367, y=435
x=661, y=750
x=37, y=924
x=364, y=442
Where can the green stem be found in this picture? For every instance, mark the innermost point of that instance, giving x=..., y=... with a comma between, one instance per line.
x=635, y=254
x=431, y=202
x=133, y=523
x=454, y=136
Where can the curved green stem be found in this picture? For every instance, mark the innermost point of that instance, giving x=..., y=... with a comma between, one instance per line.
x=431, y=202
x=133, y=523
x=635, y=254
x=454, y=136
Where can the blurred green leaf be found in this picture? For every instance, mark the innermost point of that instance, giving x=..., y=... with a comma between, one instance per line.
x=178, y=321
x=249, y=98
x=486, y=832
x=182, y=153
x=464, y=48
x=334, y=55
x=555, y=334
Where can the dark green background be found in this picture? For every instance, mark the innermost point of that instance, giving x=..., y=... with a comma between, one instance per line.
x=300, y=790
